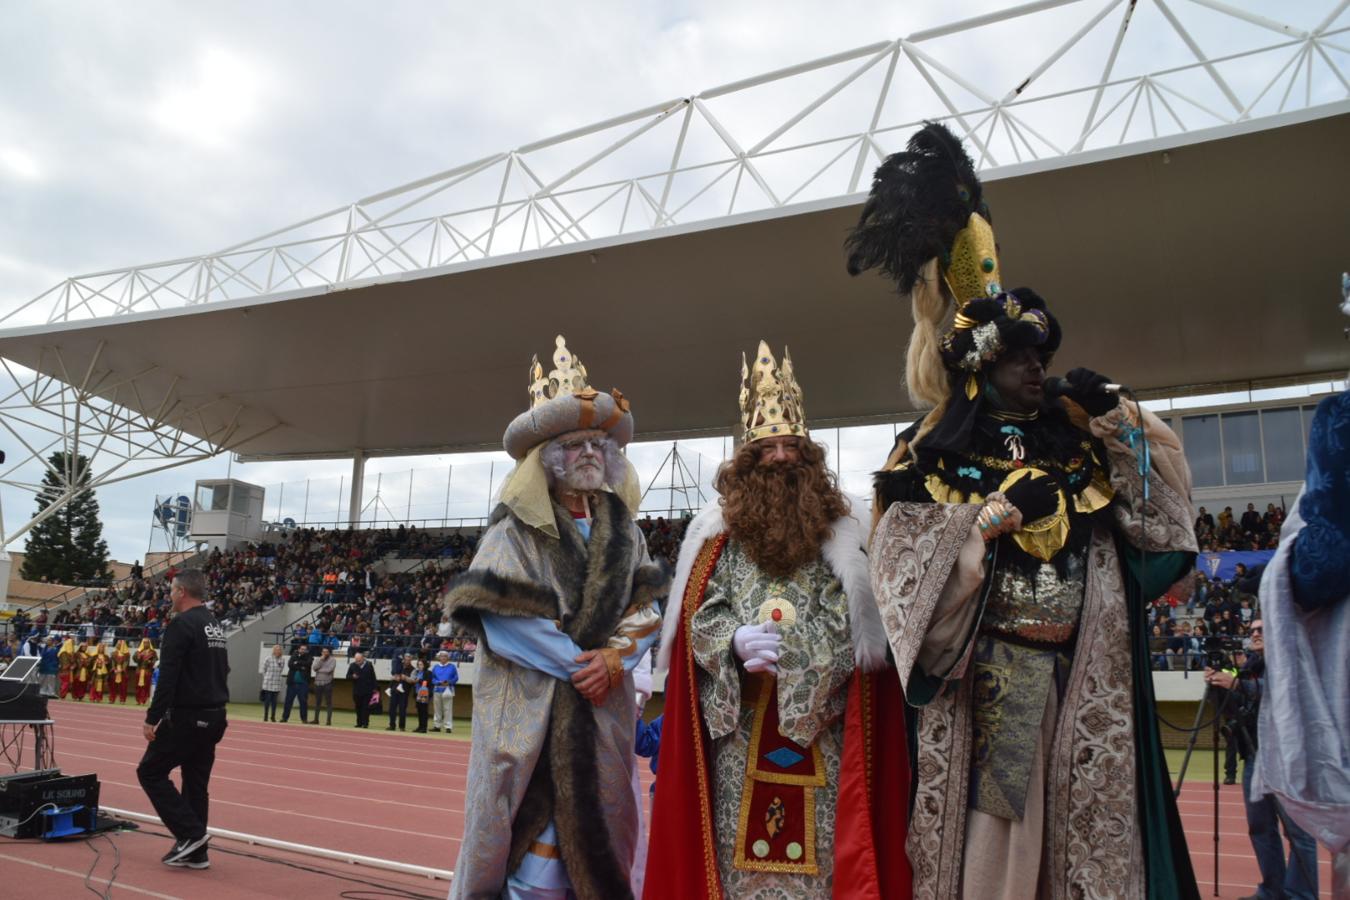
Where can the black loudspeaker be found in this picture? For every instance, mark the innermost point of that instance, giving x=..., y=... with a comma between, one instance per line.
x=25, y=797
x=21, y=702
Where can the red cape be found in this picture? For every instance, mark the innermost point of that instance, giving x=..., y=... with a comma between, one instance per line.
x=869, y=839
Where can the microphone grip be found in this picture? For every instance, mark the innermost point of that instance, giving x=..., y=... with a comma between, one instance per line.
x=1058, y=387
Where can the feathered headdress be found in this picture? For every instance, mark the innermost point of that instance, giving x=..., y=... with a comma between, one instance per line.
x=926, y=225
x=922, y=199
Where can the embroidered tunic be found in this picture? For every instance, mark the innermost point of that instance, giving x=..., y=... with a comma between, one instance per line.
x=775, y=839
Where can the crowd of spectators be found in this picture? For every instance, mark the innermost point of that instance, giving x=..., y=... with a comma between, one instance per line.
x=364, y=611
x=664, y=537
x=1202, y=619
x=1226, y=531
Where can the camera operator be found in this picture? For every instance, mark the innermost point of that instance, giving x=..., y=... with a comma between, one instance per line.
x=1298, y=877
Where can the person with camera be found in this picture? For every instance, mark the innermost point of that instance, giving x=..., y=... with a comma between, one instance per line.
x=299, y=673
x=1296, y=878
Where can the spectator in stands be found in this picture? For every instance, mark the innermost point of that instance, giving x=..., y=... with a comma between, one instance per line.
x=365, y=690
x=325, y=669
x=1157, y=645
x=1251, y=520
x=273, y=678
x=444, y=677
x=400, y=673
x=9, y=648
x=299, y=673
x=420, y=684
x=445, y=629
x=1204, y=522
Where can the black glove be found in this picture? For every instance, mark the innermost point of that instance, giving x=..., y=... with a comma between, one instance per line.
x=1084, y=387
x=1035, y=497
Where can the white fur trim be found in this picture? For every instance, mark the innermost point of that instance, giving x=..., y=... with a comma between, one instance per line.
x=707, y=524
x=845, y=553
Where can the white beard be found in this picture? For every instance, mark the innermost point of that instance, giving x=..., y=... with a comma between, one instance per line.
x=584, y=475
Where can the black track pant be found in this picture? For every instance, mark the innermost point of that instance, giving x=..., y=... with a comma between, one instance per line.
x=185, y=740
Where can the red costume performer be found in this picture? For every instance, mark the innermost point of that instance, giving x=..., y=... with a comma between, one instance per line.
x=145, y=668
x=121, y=673
x=99, y=682
x=84, y=660
x=66, y=663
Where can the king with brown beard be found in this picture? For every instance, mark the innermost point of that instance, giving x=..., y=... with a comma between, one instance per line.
x=783, y=763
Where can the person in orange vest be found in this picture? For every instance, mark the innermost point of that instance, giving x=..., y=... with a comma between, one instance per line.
x=84, y=660
x=121, y=665
x=100, y=678
x=145, y=669
x=66, y=661
x=330, y=581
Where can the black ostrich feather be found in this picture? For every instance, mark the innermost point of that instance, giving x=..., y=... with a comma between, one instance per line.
x=921, y=197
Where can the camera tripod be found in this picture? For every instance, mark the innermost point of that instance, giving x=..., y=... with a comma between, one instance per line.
x=1240, y=733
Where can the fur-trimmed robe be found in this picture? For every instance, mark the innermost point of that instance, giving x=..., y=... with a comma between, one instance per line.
x=845, y=553
x=873, y=784
x=540, y=750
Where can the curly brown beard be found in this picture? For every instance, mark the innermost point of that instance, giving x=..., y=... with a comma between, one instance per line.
x=781, y=513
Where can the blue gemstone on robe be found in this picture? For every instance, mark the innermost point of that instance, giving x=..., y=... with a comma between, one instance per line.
x=784, y=758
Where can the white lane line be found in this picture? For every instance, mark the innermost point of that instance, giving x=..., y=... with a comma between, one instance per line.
x=290, y=787
x=326, y=746
x=269, y=767
x=253, y=807
x=119, y=885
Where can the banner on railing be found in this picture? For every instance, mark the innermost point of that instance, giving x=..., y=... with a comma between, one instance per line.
x=1223, y=565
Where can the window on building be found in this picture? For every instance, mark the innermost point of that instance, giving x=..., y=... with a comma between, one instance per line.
x=1242, y=448
x=1282, y=435
x=1203, y=450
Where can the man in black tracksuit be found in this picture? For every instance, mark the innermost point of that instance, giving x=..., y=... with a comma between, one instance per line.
x=186, y=719
x=364, y=689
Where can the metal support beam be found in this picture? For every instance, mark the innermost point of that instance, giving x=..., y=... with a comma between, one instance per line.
x=358, y=482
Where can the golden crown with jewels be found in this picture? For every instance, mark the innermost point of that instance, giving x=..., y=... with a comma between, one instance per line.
x=568, y=375
x=771, y=399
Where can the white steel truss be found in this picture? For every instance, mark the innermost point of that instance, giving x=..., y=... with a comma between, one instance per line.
x=96, y=414
x=753, y=145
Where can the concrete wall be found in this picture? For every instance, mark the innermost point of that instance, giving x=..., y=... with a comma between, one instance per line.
x=243, y=644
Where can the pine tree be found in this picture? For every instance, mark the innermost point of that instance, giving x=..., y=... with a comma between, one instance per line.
x=67, y=547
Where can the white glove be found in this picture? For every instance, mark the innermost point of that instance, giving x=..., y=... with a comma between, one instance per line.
x=757, y=647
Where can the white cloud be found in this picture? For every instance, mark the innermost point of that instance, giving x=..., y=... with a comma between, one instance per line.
x=216, y=105
x=19, y=163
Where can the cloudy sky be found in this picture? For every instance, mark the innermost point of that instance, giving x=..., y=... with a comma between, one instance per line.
x=136, y=132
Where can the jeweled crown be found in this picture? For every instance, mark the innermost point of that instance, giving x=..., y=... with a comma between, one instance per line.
x=568, y=376
x=771, y=399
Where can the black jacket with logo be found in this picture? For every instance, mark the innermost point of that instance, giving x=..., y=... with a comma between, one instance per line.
x=193, y=665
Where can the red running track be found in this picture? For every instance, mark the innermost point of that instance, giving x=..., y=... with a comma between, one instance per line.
x=395, y=796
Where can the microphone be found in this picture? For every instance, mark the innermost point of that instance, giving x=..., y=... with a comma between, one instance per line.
x=1058, y=387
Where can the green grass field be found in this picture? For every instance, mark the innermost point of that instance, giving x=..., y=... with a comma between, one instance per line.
x=346, y=718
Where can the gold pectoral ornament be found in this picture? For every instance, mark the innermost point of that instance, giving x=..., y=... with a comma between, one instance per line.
x=777, y=610
x=1046, y=536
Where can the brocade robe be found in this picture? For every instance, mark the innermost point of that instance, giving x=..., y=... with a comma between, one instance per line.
x=763, y=778
x=1039, y=769
x=809, y=695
